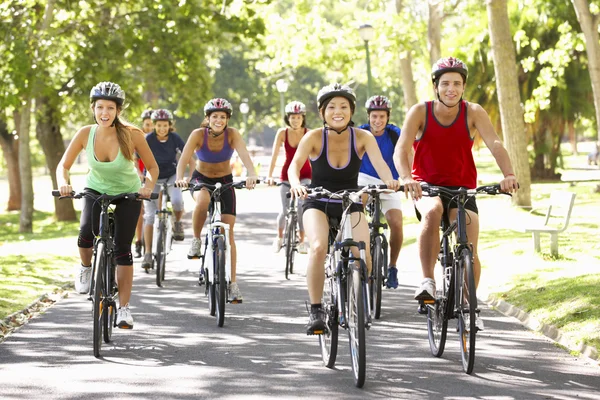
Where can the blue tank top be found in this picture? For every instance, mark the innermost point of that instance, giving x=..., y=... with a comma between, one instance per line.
x=386, y=146
x=214, y=157
x=331, y=178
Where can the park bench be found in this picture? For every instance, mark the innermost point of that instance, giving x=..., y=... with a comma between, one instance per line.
x=555, y=222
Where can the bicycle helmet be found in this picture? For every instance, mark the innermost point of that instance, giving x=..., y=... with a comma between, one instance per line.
x=295, y=107
x=334, y=90
x=108, y=91
x=147, y=114
x=378, y=103
x=448, y=64
x=218, y=104
x=162, y=115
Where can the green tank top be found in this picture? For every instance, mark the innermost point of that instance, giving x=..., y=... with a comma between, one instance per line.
x=114, y=177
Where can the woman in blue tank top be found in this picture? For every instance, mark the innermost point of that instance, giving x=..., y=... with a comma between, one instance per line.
x=335, y=153
x=214, y=145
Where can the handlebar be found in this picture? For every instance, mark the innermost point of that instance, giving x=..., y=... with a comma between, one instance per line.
x=433, y=190
x=110, y=198
x=218, y=185
x=320, y=192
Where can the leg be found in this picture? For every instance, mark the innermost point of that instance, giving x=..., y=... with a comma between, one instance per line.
x=394, y=220
x=316, y=227
x=473, y=238
x=200, y=210
x=138, y=234
x=360, y=233
x=149, y=216
x=125, y=222
x=428, y=241
x=230, y=220
x=90, y=216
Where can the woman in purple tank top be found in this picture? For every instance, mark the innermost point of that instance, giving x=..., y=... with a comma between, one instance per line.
x=214, y=145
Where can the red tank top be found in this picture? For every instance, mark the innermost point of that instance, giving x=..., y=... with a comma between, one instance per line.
x=305, y=171
x=443, y=154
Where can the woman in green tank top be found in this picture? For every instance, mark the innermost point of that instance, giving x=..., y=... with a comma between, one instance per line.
x=109, y=146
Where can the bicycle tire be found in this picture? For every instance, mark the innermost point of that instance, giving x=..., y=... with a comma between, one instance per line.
x=98, y=297
x=294, y=242
x=328, y=341
x=356, y=326
x=211, y=286
x=160, y=253
x=286, y=239
x=289, y=247
x=110, y=316
x=220, y=281
x=377, y=283
x=467, y=310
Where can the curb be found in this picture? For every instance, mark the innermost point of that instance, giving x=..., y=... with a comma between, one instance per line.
x=550, y=331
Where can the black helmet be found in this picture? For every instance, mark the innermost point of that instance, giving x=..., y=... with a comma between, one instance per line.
x=108, y=91
x=335, y=90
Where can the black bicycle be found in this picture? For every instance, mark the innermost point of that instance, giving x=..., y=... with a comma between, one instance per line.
x=217, y=273
x=457, y=297
x=103, y=289
x=162, y=240
x=379, y=248
x=290, y=234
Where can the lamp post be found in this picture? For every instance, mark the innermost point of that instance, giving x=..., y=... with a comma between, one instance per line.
x=282, y=87
x=367, y=32
x=244, y=108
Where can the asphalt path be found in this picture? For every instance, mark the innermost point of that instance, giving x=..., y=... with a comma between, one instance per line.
x=176, y=350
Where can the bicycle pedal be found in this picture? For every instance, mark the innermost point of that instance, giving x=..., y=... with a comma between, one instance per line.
x=194, y=257
x=235, y=301
x=422, y=309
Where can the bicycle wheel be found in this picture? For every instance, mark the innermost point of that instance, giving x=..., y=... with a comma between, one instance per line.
x=294, y=242
x=110, y=316
x=467, y=300
x=329, y=340
x=356, y=325
x=377, y=282
x=437, y=326
x=98, y=297
x=160, y=253
x=220, y=281
x=290, y=240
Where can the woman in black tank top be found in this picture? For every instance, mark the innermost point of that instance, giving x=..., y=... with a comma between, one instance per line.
x=335, y=152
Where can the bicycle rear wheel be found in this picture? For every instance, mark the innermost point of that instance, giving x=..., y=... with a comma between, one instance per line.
x=377, y=282
x=356, y=325
x=329, y=340
x=467, y=300
x=98, y=296
x=437, y=326
x=290, y=246
x=220, y=283
x=160, y=253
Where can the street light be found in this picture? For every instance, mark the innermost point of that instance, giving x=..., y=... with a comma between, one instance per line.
x=282, y=87
x=244, y=108
x=367, y=32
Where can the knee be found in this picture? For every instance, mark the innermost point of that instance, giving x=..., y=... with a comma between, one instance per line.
x=319, y=249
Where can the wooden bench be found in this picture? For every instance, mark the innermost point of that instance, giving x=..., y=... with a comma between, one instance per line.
x=556, y=220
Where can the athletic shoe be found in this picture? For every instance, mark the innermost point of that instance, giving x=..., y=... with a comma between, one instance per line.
x=147, y=263
x=178, y=231
x=392, y=278
x=195, y=249
x=479, y=323
x=276, y=245
x=302, y=248
x=235, y=294
x=124, y=318
x=82, y=279
x=138, y=249
x=426, y=291
x=316, y=323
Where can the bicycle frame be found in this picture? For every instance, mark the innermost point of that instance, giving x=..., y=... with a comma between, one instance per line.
x=215, y=229
x=164, y=213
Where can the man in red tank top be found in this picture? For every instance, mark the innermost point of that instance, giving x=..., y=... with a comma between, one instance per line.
x=441, y=133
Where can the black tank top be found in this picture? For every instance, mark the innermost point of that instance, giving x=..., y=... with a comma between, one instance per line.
x=336, y=179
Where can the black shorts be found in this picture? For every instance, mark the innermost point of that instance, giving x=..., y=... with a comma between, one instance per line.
x=449, y=203
x=227, y=197
x=331, y=209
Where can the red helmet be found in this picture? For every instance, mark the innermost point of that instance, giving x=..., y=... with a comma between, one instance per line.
x=448, y=64
x=378, y=103
x=162, y=115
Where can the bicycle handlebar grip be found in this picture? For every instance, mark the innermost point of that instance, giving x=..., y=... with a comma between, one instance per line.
x=56, y=193
x=154, y=196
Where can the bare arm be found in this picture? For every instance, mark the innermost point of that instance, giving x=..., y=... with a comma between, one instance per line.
x=372, y=149
x=276, y=146
x=186, y=157
x=66, y=162
x=305, y=148
x=141, y=147
x=403, y=155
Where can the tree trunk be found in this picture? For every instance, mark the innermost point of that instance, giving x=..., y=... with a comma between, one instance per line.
x=408, y=81
x=589, y=26
x=572, y=137
x=511, y=112
x=50, y=138
x=10, y=149
x=434, y=30
x=26, y=221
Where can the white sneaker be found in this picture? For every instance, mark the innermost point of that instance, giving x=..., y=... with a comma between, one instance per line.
x=302, y=248
x=479, y=323
x=124, y=318
x=83, y=278
x=236, y=295
x=276, y=245
x=195, y=249
x=426, y=291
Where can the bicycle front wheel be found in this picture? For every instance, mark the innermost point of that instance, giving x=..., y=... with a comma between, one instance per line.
x=356, y=325
x=329, y=339
x=467, y=300
x=220, y=283
x=290, y=246
x=160, y=253
x=377, y=281
x=110, y=314
x=98, y=296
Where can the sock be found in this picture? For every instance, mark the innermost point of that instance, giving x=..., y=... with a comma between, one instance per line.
x=315, y=307
x=86, y=266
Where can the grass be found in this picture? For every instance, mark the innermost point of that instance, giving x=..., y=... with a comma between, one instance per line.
x=44, y=227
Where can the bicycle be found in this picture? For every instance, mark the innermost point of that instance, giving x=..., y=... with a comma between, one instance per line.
x=162, y=239
x=290, y=234
x=379, y=248
x=103, y=289
x=457, y=296
x=217, y=273
x=346, y=299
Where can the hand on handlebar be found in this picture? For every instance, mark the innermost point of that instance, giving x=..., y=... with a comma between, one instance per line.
x=182, y=183
x=65, y=190
x=145, y=192
x=392, y=184
x=298, y=191
x=509, y=184
x=413, y=187
x=251, y=182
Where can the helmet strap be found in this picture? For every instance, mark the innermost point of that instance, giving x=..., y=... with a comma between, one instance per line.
x=441, y=101
x=327, y=127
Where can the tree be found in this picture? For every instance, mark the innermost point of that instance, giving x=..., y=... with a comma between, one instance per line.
x=513, y=125
x=10, y=147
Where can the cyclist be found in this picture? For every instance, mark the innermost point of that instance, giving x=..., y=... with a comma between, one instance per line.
x=386, y=134
x=147, y=128
x=166, y=145
x=214, y=145
x=442, y=132
x=335, y=153
x=295, y=119
x=109, y=145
